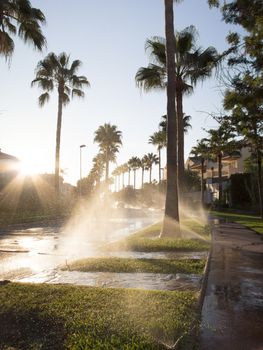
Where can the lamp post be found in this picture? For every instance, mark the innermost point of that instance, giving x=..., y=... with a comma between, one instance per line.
x=80, y=166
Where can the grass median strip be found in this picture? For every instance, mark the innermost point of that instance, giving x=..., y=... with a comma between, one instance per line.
x=112, y=264
x=253, y=222
x=147, y=240
x=70, y=317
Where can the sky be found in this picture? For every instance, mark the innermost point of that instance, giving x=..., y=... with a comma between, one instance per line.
x=108, y=36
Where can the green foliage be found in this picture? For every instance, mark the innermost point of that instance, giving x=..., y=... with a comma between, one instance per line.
x=242, y=190
x=69, y=317
x=20, y=18
x=192, y=181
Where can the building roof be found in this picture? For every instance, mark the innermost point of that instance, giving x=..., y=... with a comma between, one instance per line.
x=6, y=156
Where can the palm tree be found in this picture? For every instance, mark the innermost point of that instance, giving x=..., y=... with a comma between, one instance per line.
x=221, y=141
x=18, y=17
x=56, y=72
x=98, y=167
x=109, y=139
x=134, y=163
x=150, y=160
x=171, y=214
x=124, y=169
x=158, y=139
x=143, y=167
x=201, y=151
x=191, y=65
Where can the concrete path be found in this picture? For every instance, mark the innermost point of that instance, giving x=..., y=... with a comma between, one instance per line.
x=232, y=313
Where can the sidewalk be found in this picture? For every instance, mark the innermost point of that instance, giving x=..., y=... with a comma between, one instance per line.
x=232, y=313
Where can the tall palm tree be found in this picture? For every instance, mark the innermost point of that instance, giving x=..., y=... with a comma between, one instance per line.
x=109, y=139
x=171, y=214
x=201, y=151
x=150, y=160
x=158, y=139
x=18, y=17
x=56, y=72
x=134, y=163
x=192, y=64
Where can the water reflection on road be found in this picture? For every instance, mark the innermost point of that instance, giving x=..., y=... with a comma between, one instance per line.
x=27, y=252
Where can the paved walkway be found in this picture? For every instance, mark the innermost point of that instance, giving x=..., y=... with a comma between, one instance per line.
x=232, y=314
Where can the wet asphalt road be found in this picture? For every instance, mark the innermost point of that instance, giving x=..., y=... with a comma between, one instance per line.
x=232, y=314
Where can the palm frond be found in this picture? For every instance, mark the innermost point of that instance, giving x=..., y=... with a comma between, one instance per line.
x=77, y=93
x=30, y=31
x=75, y=66
x=65, y=99
x=43, y=83
x=10, y=27
x=43, y=99
x=6, y=44
x=151, y=77
x=156, y=50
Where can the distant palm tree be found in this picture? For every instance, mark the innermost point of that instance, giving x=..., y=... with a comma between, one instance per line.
x=221, y=141
x=109, y=139
x=201, y=151
x=159, y=139
x=98, y=167
x=56, y=72
x=143, y=167
x=123, y=169
x=115, y=173
x=191, y=65
x=18, y=17
x=134, y=163
x=150, y=160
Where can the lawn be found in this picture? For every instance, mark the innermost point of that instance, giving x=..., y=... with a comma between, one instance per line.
x=147, y=240
x=112, y=264
x=60, y=317
x=251, y=221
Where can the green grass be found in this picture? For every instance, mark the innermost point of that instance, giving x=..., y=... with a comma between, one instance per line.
x=57, y=317
x=253, y=222
x=147, y=240
x=138, y=265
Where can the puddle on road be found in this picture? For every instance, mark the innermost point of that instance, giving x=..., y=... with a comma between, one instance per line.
x=149, y=281
x=41, y=248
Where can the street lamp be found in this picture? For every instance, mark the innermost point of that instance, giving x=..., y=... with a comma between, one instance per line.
x=80, y=166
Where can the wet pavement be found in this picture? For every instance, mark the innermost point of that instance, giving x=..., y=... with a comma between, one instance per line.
x=232, y=313
x=33, y=250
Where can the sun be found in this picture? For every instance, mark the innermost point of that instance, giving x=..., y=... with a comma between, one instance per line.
x=27, y=168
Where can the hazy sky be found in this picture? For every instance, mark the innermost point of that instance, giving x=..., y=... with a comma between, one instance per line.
x=108, y=36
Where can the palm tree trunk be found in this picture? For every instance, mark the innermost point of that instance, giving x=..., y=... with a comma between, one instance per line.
x=160, y=175
x=150, y=175
x=220, y=178
x=107, y=167
x=142, y=176
x=58, y=136
x=129, y=178
x=202, y=181
x=134, y=179
x=171, y=214
x=180, y=135
x=260, y=186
